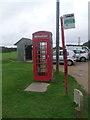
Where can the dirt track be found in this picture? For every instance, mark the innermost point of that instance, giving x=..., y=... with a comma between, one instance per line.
x=79, y=71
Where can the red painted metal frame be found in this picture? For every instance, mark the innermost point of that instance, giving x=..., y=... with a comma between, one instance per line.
x=65, y=57
x=39, y=37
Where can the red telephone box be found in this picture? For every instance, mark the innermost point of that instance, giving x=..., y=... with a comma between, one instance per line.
x=42, y=56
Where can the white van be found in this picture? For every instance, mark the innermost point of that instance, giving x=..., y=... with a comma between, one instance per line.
x=77, y=47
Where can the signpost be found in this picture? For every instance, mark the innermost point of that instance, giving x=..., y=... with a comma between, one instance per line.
x=65, y=57
x=67, y=22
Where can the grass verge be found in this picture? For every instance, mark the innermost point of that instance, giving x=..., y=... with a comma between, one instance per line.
x=53, y=103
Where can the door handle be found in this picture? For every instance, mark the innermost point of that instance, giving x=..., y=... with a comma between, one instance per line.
x=47, y=56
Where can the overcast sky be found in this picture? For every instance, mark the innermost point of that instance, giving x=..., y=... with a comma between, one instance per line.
x=21, y=18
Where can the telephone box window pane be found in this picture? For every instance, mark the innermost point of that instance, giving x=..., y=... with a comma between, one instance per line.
x=41, y=56
x=41, y=47
x=41, y=70
x=41, y=43
x=41, y=65
x=41, y=52
x=41, y=61
x=42, y=74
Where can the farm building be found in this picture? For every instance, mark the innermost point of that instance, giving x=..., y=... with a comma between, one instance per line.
x=24, y=49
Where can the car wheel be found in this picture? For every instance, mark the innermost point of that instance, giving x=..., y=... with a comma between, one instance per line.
x=83, y=59
x=70, y=62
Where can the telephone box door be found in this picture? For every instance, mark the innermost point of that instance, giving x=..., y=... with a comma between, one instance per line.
x=42, y=56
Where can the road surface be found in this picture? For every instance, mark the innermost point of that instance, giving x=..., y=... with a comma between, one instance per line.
x=79, y=71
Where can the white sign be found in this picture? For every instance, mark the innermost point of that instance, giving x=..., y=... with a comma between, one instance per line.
x=41, y=36
x=69, y=21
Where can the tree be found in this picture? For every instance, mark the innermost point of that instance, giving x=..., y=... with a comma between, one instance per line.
x=87, y=44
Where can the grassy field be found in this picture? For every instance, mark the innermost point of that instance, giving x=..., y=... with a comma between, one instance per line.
x=0, y=86
x=18, y=103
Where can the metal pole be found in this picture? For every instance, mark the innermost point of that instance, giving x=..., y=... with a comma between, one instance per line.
x=57, y=36
x=65, y=57
x=78, y=40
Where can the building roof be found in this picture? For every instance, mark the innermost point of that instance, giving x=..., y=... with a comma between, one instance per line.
x=21, y=40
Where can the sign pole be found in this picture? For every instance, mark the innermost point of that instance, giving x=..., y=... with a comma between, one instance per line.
x=65, y=57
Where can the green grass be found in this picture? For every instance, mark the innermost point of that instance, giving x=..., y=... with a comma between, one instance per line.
x=53, y=103
x=0, y=86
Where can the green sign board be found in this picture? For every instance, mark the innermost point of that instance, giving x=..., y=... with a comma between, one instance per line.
x=69, y=21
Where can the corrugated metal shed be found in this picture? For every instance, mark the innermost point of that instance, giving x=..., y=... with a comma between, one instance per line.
x=24, y=49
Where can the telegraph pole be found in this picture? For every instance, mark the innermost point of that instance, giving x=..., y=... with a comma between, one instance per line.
x=57, y=35
x=78, y=40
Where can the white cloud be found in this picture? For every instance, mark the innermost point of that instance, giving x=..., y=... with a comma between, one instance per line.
x=22, y=18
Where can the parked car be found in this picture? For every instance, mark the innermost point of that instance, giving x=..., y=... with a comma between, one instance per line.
x=89, y=54
x=81, y=55
x=71, y=57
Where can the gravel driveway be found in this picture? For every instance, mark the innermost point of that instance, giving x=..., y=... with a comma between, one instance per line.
x=79, y=71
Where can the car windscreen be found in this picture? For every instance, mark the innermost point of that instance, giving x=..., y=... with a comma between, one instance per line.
x=78, y=51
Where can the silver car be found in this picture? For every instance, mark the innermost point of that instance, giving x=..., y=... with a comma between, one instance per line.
x=71, y=57
x=81, y=55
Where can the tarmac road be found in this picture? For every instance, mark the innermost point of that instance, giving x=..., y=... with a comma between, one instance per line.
x=79, y=71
